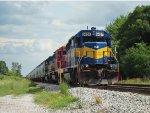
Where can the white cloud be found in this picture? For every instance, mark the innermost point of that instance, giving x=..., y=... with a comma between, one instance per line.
x=31, y=31
x=28, y=52
x=26, y=46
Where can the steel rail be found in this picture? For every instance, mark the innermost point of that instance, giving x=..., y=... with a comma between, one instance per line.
x=140, y=89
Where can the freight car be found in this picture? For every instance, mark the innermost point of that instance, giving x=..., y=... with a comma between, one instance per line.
x=87, y=58
x=38, y=74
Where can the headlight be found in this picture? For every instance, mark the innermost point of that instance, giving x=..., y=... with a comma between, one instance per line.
x=113, y=66
x=86, y=65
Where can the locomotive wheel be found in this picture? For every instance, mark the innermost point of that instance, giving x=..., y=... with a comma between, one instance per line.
x=109, y=81
x=81, y=83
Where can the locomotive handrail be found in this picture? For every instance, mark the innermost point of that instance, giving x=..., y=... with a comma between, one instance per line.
x=117, y=65
x=78, y=64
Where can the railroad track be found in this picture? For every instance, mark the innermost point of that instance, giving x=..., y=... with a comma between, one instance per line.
x=134, y=88
x=141, y=89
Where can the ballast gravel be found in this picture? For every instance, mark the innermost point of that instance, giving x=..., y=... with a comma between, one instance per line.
x=91, y=101
x=104, y=101
x=48, y=87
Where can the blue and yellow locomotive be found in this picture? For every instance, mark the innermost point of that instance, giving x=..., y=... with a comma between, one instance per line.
x=87, y=58
x=90, y=59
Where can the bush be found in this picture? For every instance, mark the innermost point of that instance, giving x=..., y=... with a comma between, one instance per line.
x=32, y=84
x=16, y=85
x=35, y=89
x=11, y=73
x=54, y=100
x=1, y=77
x=136, y=61
x=3, y=67
x=13, y=86
x=64, y=88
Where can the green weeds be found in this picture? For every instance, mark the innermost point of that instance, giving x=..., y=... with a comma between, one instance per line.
x=16, y=85
x=135, y=81
x=55, y=100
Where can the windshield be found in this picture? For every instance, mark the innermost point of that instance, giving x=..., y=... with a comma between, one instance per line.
x=92, y=39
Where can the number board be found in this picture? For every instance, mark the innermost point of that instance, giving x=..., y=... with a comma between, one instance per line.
x=86, y=33
x=99, y=34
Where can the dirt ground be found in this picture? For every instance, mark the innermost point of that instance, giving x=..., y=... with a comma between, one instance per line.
x=20, y=104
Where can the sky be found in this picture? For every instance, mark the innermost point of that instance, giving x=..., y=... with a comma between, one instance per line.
x=31, y=31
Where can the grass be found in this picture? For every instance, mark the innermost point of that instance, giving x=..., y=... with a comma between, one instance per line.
x=135, y=81
x=16, y=85
x=64, y=88
x=55, y=100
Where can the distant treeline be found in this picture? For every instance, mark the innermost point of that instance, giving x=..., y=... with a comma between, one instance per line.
x=15, y=69
x=131, y=36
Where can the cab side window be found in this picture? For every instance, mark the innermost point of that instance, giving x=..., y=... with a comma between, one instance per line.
x=72, y=43
x=108, y=41
x=77, y=41
x=67, y=47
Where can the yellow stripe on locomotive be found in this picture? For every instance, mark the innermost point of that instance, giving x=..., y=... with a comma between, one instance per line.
x=92, y=53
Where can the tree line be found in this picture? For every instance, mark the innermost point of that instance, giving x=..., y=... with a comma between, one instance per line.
x=131, y=36
x=14, y=71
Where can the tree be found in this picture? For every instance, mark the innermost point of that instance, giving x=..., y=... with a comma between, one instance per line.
x=131, y=29
x=16, y=68
x=114, y=30
x=136, y=61
x=115, y=26
x=135, y=29
x=126, y=32
x=3, y=68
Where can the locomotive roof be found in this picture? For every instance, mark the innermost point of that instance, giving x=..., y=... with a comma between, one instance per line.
x=79, y=34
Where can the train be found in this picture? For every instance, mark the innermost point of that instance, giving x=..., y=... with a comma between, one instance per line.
x=87, y=58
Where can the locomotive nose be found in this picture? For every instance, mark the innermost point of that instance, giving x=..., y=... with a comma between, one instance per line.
x=95, y=50
x=96, y=53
